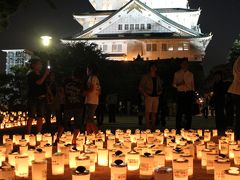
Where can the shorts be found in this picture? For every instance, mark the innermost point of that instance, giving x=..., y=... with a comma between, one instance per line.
x=77, y=114
x=36, y=107
x=151, y=104
x=90, y=110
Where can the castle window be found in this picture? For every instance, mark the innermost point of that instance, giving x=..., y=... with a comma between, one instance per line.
x=149, y=26
x=185, y=46
x=164, y=47
x=136, y=26
x=117, y=48
x=142, y=26
x=126, y=27
x=151, y=47
x=131, y=26
x=170, y=47
x=104, y=48
x=180, y=47
x=120, y=28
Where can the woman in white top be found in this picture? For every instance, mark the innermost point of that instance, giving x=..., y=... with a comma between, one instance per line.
x=92, y=98
x=234, y=90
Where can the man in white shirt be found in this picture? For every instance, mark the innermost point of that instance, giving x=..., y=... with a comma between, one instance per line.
x=184, y=83
x=234, y=91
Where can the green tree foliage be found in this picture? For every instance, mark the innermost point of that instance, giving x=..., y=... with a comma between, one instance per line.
x=9, y=7
x=234, y=51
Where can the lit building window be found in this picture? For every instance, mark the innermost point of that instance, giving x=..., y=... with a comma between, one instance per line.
x=131, y=26
x=117, y=48
x=104, y=48
x=149, y=26
x=151, y=47
x=136, y=26
x=170, y=47
x=142, y=26
x=164, y=47
x=180, y=47
x=120, y=27
x=126, y=27
x=185, y=46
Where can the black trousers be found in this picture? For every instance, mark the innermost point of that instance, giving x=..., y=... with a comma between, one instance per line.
x=184, y=107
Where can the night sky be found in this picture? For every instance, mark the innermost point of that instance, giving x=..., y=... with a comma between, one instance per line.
x=221, y=17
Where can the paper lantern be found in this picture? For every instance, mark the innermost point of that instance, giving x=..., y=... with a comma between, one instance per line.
x=23, y=142
x=73, y=153
x=199, y=148
x=224, y=148
x=17, y=138
x=110, y=143
x=204, y=157
x=23, y=150
x=5, y=137
x=21, y=166
x=133, y=160
x=39, y=137
x=214, y=132
x=83, y=160
x=32, y=140
x=47, y=137
x=60, y=144
x=163, y=173
x=118, y=155
x=11, y=158
x=39, y=170
x=7, y=173
x=211, y=157
x=39, y=155
x=58, y=164
x=159, y=159
x=43, y=143
x=48, y=150
x=110, y=154
x=236, y=156
x=81, y=173
x=190, y=163
x=103, y=157
x=99, y=144
x=92, y=155
x=232, y=173
x=9, y=146
x=207, y=135
x=232, y=145
x=118, y=170
x=177, y=152
x=219, y=166
x=146, y=166
x=65, y=150
x=180, y=169
x=230, y=134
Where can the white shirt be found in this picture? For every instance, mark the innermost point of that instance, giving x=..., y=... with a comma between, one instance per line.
x=235, y=86
x=183, y=81
x=93, y=96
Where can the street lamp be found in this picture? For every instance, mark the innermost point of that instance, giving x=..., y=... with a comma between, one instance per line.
x=46, y=40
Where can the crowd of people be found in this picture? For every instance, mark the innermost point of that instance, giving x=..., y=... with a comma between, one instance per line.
x=81, y=99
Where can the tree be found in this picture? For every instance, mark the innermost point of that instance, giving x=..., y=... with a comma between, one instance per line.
x=9, y=7
x=234, y=51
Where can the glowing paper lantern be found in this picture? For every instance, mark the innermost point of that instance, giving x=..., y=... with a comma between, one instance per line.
x=232, y=173
x=236, y=156
x=39, y=155
x=204, y=157
x=73, y=153
x=232, y=145
x=211, y=157
x=118, y=155
x=103, y=157
x=146, y=166
x=39, y=170
x=199, y=148
x=163, y=173
x=219, y=166
x=190, y=163
x=58, y=164
x=81, y=173
x=11, y=158
x=83, y=160
x=118, y=170
x=48, y=150
x=92, y=155
x=23, y=150
x=7, y=173
x=180, y=169
x=21, y=166
x=133, y=160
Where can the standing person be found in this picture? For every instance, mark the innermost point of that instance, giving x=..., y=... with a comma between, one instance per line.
x=93, y=92
x=218, y=100
x=234, y=91
x=112, y=101
x=36, y=94
x=140, y=107
x=151, y=87
x=184, y=83
x=73, y=105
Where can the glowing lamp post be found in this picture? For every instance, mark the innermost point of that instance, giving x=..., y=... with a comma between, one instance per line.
x=46, y=40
